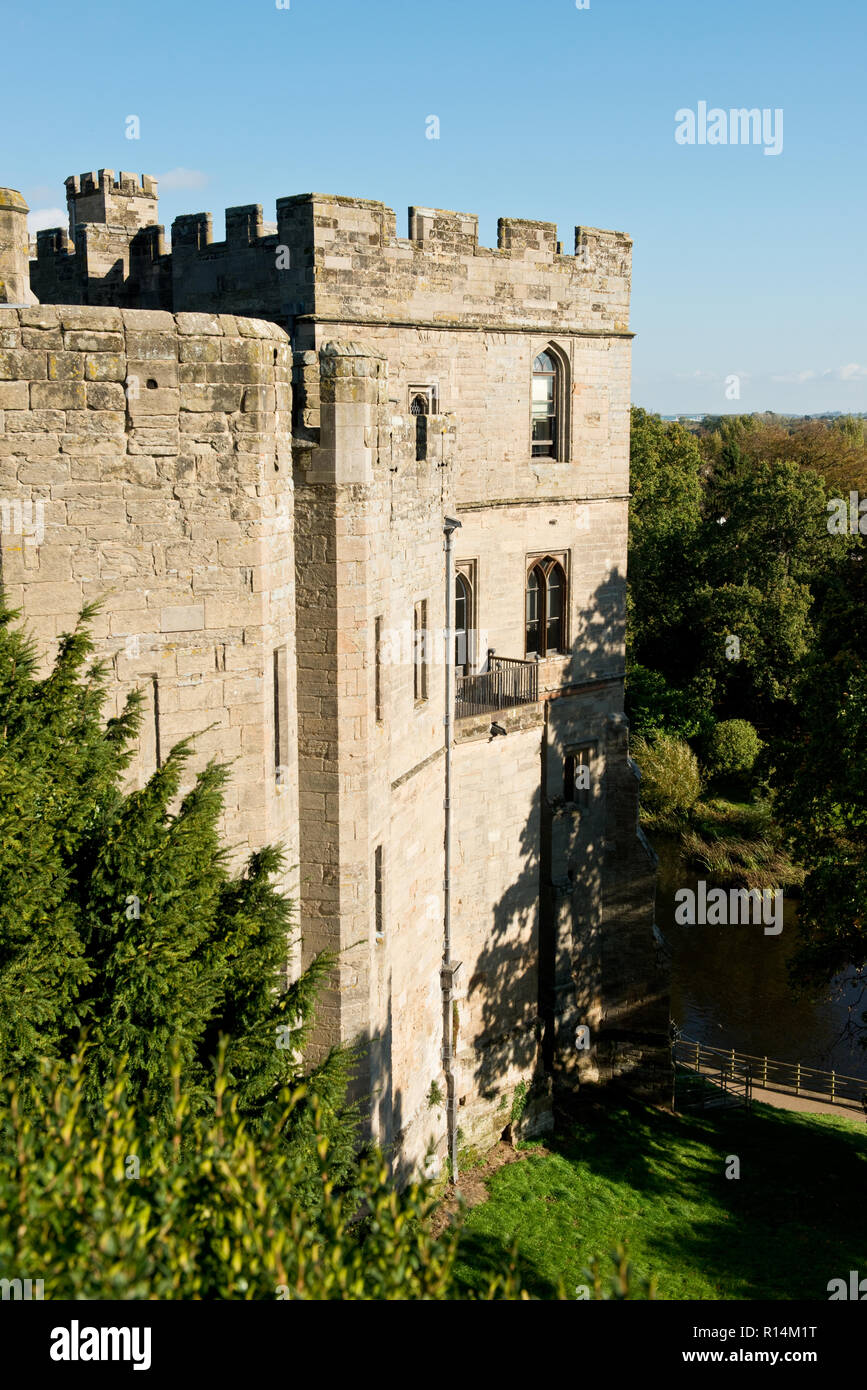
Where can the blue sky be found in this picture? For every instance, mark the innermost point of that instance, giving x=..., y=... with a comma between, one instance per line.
x=746, y=265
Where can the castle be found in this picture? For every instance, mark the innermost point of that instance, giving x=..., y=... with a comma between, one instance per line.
x=356, y=506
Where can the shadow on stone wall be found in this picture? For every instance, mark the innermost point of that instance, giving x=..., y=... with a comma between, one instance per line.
x=584, y=890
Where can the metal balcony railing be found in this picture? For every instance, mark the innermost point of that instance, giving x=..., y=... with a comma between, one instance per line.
x=507, y=682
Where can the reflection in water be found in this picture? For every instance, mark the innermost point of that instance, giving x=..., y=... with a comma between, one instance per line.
x=729, y=986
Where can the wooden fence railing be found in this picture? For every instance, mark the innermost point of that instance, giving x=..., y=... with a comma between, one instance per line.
x=790, y=1077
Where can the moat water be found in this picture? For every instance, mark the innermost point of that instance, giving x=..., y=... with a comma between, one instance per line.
x=730, y=987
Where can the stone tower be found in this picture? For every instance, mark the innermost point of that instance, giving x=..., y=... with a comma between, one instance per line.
x=126, y=203
x=114, y=250
x=14, y=250
x=276, y=552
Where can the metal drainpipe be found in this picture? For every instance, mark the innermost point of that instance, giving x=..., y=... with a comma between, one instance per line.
x=449, y=967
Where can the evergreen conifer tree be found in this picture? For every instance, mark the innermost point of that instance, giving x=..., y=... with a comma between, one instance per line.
x=120, y=917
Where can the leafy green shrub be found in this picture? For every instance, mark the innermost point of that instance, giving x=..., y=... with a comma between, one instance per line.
x=205, y=1210
x=732, y=748
x=653, y=705
x=670, y=780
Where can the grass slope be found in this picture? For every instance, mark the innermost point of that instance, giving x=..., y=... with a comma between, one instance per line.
x=796, y=1217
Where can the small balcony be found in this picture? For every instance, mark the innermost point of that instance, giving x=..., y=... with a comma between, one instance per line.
x=506, y=683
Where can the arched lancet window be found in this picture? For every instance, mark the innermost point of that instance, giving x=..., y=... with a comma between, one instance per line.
x=535, y=589
x=422, y=403
x=554, y=609
x=545, y=397
x=550, y=405
x=545, y=614
x=462, y=619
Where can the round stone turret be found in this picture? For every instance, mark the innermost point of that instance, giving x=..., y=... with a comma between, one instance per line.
x=14, y=249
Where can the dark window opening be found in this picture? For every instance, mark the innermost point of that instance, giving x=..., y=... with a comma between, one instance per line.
x=535, y=585
x=379, y=913
x=377, y=669
x=569, y=778
x=155, y=686
x=554, y=610
x=420, y=438
x=281, y=717
x=420, y=652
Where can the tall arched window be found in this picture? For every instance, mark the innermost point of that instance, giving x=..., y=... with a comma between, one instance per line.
x=462, y=623
x=550, y=404
x=545, y=406
x=545, y=613
x=535, y=589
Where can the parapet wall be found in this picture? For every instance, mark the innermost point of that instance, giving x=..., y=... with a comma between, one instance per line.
x=338, y=258
x=439, y=274
x=145, y=460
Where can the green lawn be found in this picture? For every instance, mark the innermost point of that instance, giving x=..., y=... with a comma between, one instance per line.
x=795, y=1219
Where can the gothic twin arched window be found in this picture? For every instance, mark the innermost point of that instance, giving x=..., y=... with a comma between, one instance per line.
x=546, y=608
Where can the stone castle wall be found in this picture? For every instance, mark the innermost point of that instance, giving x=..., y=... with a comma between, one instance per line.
x=145, y=461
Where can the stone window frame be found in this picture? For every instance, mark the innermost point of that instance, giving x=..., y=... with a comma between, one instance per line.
x=431, y=390
x=378, y=701
x=420, y=653
x=581, y=798
x=539, y=558
x=562, y=402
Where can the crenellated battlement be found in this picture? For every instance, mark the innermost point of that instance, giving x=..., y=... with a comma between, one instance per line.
x=341, y=259
x=245, y=226
x=332, y=258
x=104, y=181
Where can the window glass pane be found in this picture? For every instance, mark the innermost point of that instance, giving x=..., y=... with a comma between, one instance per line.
x=543, y=389
x=543, y=363
x=555, y=593
x=532, y=607
x=533, y=610
x=462, y=610
x=460, y=602
x=556, y=590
